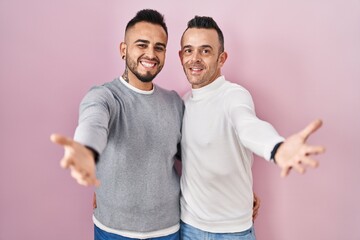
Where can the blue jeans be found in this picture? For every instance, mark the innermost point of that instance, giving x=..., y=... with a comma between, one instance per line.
x=100, y=234
x=188, y=232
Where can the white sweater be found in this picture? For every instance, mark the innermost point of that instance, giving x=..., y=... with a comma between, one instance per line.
x=220, y=131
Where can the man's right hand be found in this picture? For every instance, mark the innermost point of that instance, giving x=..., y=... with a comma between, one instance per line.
x=79, y=159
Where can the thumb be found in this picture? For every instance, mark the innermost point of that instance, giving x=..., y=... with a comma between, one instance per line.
x=311, y=128
x=61, y=140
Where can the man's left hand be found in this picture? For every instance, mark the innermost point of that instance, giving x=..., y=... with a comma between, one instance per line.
x=294, y=152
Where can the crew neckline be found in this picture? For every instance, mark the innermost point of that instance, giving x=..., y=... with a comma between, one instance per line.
x=122, y=80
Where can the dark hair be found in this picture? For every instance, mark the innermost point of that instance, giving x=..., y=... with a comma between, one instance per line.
x=207, y=23
x=150, y=16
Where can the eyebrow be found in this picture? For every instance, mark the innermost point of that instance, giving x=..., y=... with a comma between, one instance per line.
x=147, y=42
x=202, y=46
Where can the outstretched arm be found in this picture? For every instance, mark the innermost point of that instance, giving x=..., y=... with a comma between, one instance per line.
x=79, y=159
x=295, y=153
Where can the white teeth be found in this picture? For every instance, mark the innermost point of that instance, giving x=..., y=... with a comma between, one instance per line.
x=149, y=65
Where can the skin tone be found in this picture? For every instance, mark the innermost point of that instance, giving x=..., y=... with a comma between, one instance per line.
x=256, y=205
x=79, y=159
x=143, y=50
x=200, y=56
x=202, y=63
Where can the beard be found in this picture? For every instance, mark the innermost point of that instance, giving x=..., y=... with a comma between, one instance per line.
x=147, y=77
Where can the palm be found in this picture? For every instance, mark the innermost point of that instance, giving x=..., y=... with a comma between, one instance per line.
x=295, y=152
x=78, y=159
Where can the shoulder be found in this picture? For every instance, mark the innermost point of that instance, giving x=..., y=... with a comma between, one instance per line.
x=170, y=98
x=235, y=90
x=186, y=96
x=237, y=95
x=172, y=94
x=235, y=87
x=100, y=93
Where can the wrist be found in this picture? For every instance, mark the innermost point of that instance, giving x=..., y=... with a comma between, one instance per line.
x=274, y=151
x=94, y=154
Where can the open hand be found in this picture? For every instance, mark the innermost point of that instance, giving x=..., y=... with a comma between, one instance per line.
x=294, y=152
x=79, y=159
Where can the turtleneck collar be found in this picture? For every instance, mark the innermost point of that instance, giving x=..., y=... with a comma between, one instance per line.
x=200, y=93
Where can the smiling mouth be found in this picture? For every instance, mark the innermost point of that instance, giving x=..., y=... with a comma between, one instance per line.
x=148, y=64
x=196, y=69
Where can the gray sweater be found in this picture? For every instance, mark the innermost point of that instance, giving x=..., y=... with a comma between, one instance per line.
x=137, y=137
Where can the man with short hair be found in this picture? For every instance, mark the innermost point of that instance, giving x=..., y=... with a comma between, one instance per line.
x=132, y=128
x=220, y=133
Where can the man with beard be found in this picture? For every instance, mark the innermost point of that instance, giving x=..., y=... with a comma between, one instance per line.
x=130, y=129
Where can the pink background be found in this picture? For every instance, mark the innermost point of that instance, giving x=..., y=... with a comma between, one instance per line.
x=300, y=60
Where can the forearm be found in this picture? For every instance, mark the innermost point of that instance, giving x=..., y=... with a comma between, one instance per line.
x=255, y=134
x=94, y=118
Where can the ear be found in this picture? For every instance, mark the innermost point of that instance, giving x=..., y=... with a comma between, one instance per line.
x=222, y=58
x=180, y=55
x=123, y=47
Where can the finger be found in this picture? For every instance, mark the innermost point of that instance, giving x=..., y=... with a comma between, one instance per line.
x=258, y=202
x=81, y=178
x=94, y=201
x=309, y=162
x=66, y=162
x=255, y=216
x=75, y=173
x=61, y=140
x=285, y=171
x=299, y=168
x=255, y=213
x=309, y=129
x=91, y=181
x=82, y=182
x=310, y=150
x=88, y=177
x=97, y=182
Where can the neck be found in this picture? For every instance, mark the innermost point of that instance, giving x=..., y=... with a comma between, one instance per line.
x=135, y=82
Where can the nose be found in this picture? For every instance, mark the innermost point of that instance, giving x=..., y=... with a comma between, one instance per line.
x=150, y=52
x=195, y=57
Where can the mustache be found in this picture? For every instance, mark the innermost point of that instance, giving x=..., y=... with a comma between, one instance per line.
x=154, y=59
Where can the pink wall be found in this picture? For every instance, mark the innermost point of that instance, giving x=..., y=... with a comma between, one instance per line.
x=300, y=60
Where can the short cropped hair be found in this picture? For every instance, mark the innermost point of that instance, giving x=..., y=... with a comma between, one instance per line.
x=207, y=23
x=150, y=16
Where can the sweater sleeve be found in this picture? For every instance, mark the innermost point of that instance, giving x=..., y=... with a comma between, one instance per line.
x=94, y=117
x=258, y=136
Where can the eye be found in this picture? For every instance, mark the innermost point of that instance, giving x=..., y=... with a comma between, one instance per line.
x=142, y=45
x=159, y=48
x=206, y=51
x=187, y=50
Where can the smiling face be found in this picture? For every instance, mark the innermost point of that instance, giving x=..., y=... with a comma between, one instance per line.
x=144, y=50
x=200, y=56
